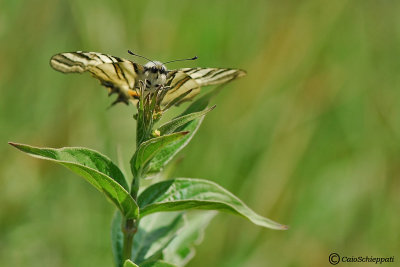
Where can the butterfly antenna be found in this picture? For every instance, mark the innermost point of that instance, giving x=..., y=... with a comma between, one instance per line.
x=133, y=54
x=193, y=58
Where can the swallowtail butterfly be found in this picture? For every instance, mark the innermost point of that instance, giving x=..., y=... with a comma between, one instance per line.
x=123, y=76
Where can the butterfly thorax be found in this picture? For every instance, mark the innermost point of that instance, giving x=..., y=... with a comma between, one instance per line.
x=155, y=75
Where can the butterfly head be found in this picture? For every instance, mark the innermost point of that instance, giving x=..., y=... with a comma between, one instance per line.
x=155, y=74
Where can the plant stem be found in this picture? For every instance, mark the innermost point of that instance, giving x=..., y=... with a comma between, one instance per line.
x=143, y=130
x=135, y=186
x=129, y=229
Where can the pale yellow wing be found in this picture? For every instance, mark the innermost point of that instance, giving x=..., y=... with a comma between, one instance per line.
x=182, y=80
x=211, y=76
x=118, y=75
x=180, y=83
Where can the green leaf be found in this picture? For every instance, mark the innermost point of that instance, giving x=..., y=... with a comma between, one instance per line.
x=165, y=155
x=174, y=124
x=95, y=168
x=117, y=238
x=184, y=193
x=158, y=263
x=129, y=263
x=154, y=234
x=83, y=156
x=181, y=250
x=202, y=102
x=147, y=150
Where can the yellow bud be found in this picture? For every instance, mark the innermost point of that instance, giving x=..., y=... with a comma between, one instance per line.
x=156, y=133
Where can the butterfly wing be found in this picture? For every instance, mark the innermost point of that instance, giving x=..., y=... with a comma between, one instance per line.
x=180, y=84
x=182, y=80
x=211, y=76
x=118, y=75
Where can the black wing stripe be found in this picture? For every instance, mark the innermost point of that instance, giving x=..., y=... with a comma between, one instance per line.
x=208, y=73
x=116, y=66
x=112, y=59
x=135, y=67
x=99, y=58
x=61, y=65
x=102, y=71
x=187, y=70
x=116, y=71
x=221, y=77
x=68, y=64
x=82, y=55
x=219, y=72
x=193, y=71
x=210, y=76
x=118, y=59
x=224, y=73
x=77, y=57
x=179, y=84
x=69, y=61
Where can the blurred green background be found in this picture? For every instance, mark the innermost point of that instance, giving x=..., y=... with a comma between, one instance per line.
x=310, y=138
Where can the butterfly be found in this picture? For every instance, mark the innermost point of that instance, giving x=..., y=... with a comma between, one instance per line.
x=123, y=77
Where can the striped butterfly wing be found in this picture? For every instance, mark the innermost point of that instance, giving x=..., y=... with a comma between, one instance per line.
x=212, y=76
x=182, y=80
x=181, y=88
x=118, y=75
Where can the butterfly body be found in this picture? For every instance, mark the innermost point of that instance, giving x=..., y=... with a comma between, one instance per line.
x=123, y=77
x=154, y=75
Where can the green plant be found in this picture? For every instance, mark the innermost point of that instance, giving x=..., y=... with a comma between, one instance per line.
x=143, y=234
